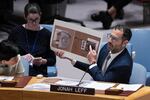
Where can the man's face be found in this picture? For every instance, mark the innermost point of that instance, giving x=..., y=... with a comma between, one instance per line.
x=33, y=19
x=115, y=41
x=64, y=40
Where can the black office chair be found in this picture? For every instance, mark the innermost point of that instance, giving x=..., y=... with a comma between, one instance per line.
x=6, y=10
x=51, y=10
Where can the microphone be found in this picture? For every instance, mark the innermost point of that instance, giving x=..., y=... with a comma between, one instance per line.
x=80, y=82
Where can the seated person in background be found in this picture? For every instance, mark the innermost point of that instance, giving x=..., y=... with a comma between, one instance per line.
x=34, y=41
x=114, y=63
x=114, y=11
x=10, y=64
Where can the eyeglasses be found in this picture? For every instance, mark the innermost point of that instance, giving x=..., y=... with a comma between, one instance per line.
x=33, y=20
x=114, y=38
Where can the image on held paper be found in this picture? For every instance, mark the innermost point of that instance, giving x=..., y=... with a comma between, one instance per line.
x=74, y=40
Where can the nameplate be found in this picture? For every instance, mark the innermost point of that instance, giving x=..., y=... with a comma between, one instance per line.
x=72, y=89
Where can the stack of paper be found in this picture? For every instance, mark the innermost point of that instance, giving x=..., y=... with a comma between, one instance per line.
x=6, y=78
x=129, y=87
x=99, y=86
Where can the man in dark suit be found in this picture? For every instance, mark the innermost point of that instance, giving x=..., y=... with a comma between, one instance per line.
x=114, y=63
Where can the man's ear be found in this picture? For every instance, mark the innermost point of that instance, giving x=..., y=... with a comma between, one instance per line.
x=125, y=43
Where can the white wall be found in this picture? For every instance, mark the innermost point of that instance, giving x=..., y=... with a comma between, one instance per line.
x=65, y=69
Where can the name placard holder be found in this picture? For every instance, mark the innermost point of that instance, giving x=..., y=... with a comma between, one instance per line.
x=113, y=91
x=72, y=89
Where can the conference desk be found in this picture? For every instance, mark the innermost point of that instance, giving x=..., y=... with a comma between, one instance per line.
x=24, y=94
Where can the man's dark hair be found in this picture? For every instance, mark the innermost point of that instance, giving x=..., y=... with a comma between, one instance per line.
x=32, y=8
x=127, y=34
x=8, y=50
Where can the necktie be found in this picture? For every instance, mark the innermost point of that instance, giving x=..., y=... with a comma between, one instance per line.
x=104, y=68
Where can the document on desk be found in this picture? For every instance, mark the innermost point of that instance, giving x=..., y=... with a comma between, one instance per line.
x=129, y=87
x=69, y=83
x=74, y=40
x=98, y=85
x=38, y=86
x=87, y=84
x=6, y=78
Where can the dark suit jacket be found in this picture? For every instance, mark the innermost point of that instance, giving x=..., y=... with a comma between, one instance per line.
x=118, y=71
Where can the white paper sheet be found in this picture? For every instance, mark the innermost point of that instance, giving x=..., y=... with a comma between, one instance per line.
x=69, y=83
x=99, y=86
x=129, y=87
x=6, y=78
x=38, y=86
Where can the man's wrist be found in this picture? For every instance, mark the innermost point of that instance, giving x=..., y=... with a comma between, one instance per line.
x=93, y=62
x=73, y=62
x=93, y=65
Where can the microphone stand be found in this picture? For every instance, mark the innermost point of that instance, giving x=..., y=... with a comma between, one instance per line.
x=80, y=82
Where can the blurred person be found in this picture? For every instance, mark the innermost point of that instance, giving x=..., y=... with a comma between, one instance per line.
x=10, y=64
x=114, y=62
x=48, y=10
x=34, y=41
x=114, y=11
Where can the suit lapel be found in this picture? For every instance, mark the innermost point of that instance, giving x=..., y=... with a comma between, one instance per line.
x=103, y=54
x=112, y=64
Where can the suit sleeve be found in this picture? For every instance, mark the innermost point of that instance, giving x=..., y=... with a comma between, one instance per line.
x=113, y=75
x=82, y=66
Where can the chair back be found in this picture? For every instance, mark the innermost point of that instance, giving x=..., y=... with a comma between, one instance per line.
x=51, y=71
x=138, y=75
x=47, y=26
